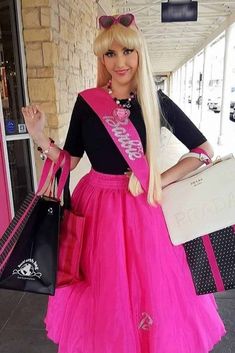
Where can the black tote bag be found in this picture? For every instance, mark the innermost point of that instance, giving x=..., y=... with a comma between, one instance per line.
x=32, y=264
x=29, y=246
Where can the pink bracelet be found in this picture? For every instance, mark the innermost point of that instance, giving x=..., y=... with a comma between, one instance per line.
x=198, y=153
x=202, y=153
x=199, y=150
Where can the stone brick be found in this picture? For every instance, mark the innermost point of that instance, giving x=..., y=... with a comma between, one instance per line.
x=56, y=37
x=63, y=102
x=50, y=54
x=73, y=84
x=45, y=72
x=55, y=22
x=31, y=73
x=55, y=6
x=53, y=121
x=42, y=89
x=64, y=50
x=45, y=17
x=63, y=86
x=63, y=11
x=58, y=135
x=73, y=17
x=64, y=33
x=37, y=35
x=35, y=3
x=31, y=18
x=71, y=32
x=64, y=119
x=34, y=55
x=49, y=107
x=62, y=133
x=61, y=74
x=47, y=130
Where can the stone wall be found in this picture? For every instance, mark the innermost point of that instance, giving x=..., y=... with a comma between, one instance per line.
x=58, y=37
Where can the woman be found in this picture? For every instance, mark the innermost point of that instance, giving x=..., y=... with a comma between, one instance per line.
x=137, y=294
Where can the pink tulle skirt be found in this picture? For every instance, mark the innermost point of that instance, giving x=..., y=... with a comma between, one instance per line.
x=137, y=295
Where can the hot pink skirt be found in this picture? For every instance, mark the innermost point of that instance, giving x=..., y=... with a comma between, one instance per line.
x=137, y=295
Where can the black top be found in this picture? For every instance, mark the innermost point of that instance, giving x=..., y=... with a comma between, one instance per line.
x=87, y=133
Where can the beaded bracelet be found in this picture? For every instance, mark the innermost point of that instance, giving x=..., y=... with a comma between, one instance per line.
x=44, y=153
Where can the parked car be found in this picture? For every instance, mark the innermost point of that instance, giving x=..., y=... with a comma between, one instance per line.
x=232, y=105
x=217, y=106
x=214, y=104
x=210, y=103
x=232, y=111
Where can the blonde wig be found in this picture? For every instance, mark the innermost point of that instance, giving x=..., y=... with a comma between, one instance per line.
x=131, y=37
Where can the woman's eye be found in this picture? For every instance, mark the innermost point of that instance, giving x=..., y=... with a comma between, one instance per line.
x=109, y=54
x=128, y=51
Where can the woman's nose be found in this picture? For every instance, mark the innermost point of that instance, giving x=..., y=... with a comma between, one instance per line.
x=120, y=62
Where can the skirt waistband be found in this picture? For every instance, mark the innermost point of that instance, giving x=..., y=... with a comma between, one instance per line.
x=109, y=181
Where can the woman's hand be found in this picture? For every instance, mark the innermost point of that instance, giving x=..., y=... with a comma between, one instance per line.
x=35, y=120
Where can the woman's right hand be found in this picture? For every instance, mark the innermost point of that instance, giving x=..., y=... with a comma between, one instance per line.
x=35, y=120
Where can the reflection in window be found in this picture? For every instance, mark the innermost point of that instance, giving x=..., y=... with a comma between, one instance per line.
x=10, y=80
x=20, y=170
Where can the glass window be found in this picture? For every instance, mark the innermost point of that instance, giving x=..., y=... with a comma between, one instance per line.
x=10, y=75
x=20, y=170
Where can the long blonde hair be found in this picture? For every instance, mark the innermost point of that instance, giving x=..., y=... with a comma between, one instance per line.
x=131, y=37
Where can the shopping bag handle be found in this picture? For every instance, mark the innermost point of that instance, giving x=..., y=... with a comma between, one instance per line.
x=43, y=179
x=66, y=191
x=46, y=171
x=61, y=163
x=64, y=173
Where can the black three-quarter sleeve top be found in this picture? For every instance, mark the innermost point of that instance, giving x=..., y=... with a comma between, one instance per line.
x=87, y=133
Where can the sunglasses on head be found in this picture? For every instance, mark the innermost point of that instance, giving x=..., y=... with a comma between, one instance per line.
x=125, y=20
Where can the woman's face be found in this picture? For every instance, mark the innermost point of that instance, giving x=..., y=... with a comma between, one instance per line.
x=121, y=63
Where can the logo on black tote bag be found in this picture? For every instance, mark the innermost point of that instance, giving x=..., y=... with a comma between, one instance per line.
x=27, y=269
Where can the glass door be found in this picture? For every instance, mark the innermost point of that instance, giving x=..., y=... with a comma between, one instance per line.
x=17, y=144
x=5, y=213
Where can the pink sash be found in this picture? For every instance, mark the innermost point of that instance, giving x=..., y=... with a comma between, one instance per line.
x=121, y=130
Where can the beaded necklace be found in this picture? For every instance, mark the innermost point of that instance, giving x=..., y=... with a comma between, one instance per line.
x=118, y=101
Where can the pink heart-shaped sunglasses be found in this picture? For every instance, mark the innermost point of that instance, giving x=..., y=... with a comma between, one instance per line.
x=125, y=20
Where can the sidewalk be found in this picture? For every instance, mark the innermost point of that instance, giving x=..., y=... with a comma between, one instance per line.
x=22, y=329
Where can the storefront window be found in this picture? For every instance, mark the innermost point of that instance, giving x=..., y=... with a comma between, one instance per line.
x=12, y=99
x=10, y=75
